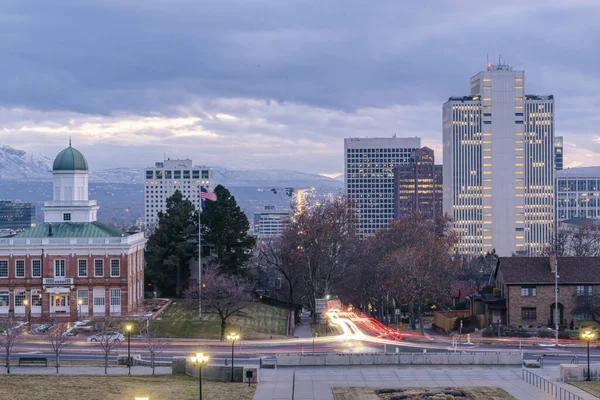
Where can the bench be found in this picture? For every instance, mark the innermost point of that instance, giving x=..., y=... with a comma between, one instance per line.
x=531, y=364
x=33, y=361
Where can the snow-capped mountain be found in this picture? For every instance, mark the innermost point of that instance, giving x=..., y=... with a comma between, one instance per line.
x=18, y=165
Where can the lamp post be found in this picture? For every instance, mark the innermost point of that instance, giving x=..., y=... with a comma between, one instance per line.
x=556, y=314
x=128, y=328
x=232, y=337
x=589, y=336
x=199, y=360
x=79, y=303
x=28, y=312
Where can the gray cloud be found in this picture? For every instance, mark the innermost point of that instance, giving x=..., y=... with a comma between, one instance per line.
x=320, y=71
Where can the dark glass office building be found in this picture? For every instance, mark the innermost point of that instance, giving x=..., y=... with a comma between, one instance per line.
x=16, y=216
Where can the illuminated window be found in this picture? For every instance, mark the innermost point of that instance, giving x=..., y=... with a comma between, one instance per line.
x=518, y=79
x=518, y=98
x=487, y=79
x=487, y=164
x=518, y=86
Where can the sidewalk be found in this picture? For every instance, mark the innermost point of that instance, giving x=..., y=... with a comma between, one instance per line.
x=303, y=330
x=553, y=375
x=315, y=383
x=137, y=370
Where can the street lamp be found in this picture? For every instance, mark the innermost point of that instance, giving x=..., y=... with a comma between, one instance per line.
x=28, y=311
x=128, y=328
x=199, y=360
x=589, y=336
x=232, y=337
x=79, y=303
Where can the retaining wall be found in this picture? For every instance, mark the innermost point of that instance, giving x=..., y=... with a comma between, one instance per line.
x=578, y=372
x=474, y=358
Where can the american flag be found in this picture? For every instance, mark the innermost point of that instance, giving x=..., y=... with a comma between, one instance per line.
x=206, y=194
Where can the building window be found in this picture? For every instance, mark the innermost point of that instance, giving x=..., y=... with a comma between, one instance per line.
x=149, y=174
x=98, y=267
x=528, y=313
x=176, y=174
x=186, y=174
x=115, y=267
x=20, y=268
x=59, y=268
x=4, y=298
x=36, y=268
x=204, y=174
x=195, y=174
x=3, y=269
x=84, y=296
x=584, y=316
x=528, y=291
x=115, y=297
x=82, y=268
x=19, y=298
x=36, y=298
x=584, y=290
x=66, y=216
x=98, y=299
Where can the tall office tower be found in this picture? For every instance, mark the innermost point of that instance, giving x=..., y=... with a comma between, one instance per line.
x=578, y=193
x=499, y=165
x=369, y=177
x=558, y=153
x=168, y=176
x=418, y=186
x=16, y=216
x=270, y=222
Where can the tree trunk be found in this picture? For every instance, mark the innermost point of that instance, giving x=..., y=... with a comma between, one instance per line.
x=178, y=282
x=223, y=327
x=411, y=315
x=421, y=324
x=7, y=362
x=57, y=362
x=152, y=362
x=105, y=363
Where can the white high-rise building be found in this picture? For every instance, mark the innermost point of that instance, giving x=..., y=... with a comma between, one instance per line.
x=498, y=147
x=369, y=177
x=168, y=176
x=578, y=193
x=270, y=222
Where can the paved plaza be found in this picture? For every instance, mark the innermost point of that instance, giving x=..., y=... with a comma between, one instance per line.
x=315, y=383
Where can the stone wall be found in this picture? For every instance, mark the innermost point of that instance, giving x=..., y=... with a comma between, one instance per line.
x=542, y=301
x=578, y=372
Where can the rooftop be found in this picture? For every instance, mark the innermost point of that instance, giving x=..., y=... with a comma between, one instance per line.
x=70, y=159
x=579, y=172
x=72, y=230
x=536, y=270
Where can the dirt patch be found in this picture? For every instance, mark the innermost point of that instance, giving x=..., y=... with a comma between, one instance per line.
x=420, y=393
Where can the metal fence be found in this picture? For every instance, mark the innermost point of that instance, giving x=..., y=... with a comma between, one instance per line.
x=548, y=386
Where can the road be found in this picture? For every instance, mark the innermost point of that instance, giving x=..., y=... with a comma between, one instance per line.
x=359, y=335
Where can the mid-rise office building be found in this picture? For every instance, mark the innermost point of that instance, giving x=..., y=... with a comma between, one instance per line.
x=16, y=216
x=558, y=153
x=578, y=193
x=270, y=222
x=498, y=145
x=168, y=176
x=418, y=186
x=369, y=177
x=71, y=265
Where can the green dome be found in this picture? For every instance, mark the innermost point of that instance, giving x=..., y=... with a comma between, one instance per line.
x=70, y=159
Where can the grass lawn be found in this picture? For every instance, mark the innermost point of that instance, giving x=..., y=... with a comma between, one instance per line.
x=257, y=322
x=592, y=387
x=75, y=387
x=475, y=393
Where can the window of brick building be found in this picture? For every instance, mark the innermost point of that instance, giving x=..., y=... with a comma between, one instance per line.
x=584, y=290
x=20, y=268
x=528, y=313
x=36, y=268
x=3, y=269
x=528, y=291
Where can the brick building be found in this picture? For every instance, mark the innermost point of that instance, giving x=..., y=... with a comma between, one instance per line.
x=527, y=286
x=71, y=264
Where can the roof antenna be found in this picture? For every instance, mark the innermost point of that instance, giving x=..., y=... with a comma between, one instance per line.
x=69, y=141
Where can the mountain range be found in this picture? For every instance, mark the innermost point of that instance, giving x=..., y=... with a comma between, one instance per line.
x=18, y=165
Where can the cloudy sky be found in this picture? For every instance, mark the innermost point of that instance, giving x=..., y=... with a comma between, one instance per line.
x=277, y=83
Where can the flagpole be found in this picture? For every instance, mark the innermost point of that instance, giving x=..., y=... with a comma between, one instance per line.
x=200, y=262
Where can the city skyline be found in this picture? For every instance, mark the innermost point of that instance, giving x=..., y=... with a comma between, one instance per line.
x=295, y=88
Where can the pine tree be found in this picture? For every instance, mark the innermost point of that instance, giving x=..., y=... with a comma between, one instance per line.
x=225, y=232
x=172, y=246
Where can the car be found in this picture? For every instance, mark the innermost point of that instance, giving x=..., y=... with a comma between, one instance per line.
x=107, y=337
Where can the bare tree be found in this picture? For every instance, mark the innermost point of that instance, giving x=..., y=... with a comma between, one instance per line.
x=58, y=339
x=107, y=341
x=223, y=295
x=10, y=334
x=579, y=241
x=277, y=257
x=153, y=344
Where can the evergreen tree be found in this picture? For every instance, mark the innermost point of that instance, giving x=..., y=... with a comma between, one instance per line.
x=225, y=232
x=172, y=246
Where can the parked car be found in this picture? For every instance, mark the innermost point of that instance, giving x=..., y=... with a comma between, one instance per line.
x=107, y=336
x=42, y=328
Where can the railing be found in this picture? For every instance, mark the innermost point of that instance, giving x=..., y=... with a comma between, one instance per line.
x=540, y=360
x=575, y=360
x=70, y=203
x=548, y=386
x=136, y=237
x=58, y=281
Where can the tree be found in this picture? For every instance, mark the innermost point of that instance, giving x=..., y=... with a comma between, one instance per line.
x=324, y=236
x=580, y=241
x=223, y=295
x=224, y=228
x=171, y=247
x=58, y=340
x=106, y=341
x=153, y=344
x=10, y=334
x=277, y=256
x=477, y=270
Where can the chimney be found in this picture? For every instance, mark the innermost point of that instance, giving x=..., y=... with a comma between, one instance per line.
x=553, y=263
x=50, y=230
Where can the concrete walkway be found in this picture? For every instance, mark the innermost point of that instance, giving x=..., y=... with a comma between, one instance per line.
x=316, y=383
x=137, y=370
x=303, y=330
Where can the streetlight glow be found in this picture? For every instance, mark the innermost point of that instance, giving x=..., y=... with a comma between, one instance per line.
x=199, y=360
x=128, y=327
x=80, y=302
x=232, y=337
x=589, y=336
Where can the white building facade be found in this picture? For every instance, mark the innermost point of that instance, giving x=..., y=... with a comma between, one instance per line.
x=498, y=148
x=71, y=265
x=369, y=177
x=270, y=222
x=168, y=176
x=578, y=193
